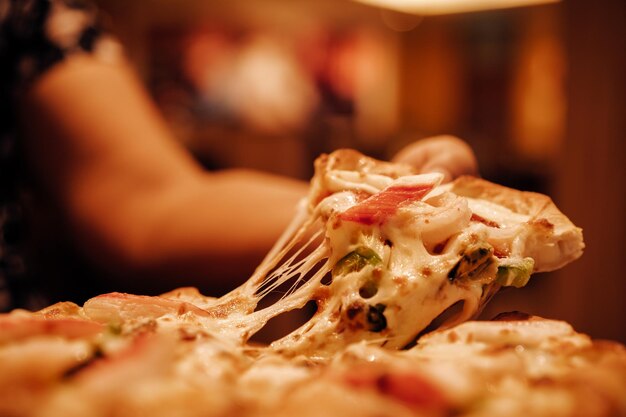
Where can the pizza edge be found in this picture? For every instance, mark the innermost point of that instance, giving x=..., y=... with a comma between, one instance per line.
x=547, y=222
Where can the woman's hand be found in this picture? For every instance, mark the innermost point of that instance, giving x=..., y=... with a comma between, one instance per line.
x=446, y=154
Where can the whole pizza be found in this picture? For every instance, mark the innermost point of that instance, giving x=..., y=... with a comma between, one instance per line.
x=397, y=265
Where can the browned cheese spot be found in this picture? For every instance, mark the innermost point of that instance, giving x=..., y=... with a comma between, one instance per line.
x=400, y=281
x=182, y=309
x=321, y=296
x=542, y=223
x=187, y=336
x=353, y=310
x=222, y=311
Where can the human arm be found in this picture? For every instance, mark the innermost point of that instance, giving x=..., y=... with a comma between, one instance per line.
x=136, y=202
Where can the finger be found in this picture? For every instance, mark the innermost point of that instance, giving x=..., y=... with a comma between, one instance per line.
x=446, y=154
x=415, y=154
x=447, y=175
x=453, y=163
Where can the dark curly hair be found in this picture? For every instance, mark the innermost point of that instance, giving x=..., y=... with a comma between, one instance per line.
x=26, y=51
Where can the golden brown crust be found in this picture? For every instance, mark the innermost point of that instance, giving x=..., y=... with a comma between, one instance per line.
x=351, y=160
x=540, y=208
x=523, y=202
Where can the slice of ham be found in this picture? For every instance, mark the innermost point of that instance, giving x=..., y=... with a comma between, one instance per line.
x=378, y=208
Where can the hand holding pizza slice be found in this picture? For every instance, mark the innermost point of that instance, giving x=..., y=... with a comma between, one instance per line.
x=392, y=250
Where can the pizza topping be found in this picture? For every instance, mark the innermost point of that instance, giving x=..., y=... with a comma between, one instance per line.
x=474, y=263
x=364, y=316
x=357, y=260
x=378, y=208
x=515, y=273
x=376, y=318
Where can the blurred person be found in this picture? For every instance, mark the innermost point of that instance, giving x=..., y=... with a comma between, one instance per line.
x=96, y=194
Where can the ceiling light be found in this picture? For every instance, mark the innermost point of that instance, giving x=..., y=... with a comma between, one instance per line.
x=434, y=7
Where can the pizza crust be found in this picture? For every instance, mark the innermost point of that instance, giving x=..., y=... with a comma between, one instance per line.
x=351, y=160
x=554, y=240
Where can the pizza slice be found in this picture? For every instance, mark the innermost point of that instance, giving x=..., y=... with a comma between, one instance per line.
x=383, y=252
x=514, y=365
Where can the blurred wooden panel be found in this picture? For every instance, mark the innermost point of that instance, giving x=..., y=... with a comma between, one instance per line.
x=432, y=78
x=589, y=182
x=592, y=176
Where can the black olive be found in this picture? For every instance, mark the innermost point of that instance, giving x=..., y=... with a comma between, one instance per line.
x=376, y=319
x=474, y=260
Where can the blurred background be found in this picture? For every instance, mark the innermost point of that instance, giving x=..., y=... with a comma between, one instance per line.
x=538, y=91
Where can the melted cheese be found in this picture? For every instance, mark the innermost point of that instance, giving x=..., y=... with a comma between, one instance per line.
x=419, y=245
x=412, y=286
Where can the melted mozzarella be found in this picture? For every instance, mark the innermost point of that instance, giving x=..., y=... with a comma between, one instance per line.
x=413, y=284
x=495, y=212
x=419, y=243
x=340, y=180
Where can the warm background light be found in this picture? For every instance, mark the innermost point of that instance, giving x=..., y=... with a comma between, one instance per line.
x=435, y=7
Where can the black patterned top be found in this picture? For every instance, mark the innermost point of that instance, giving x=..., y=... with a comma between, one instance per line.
x=34, y=36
